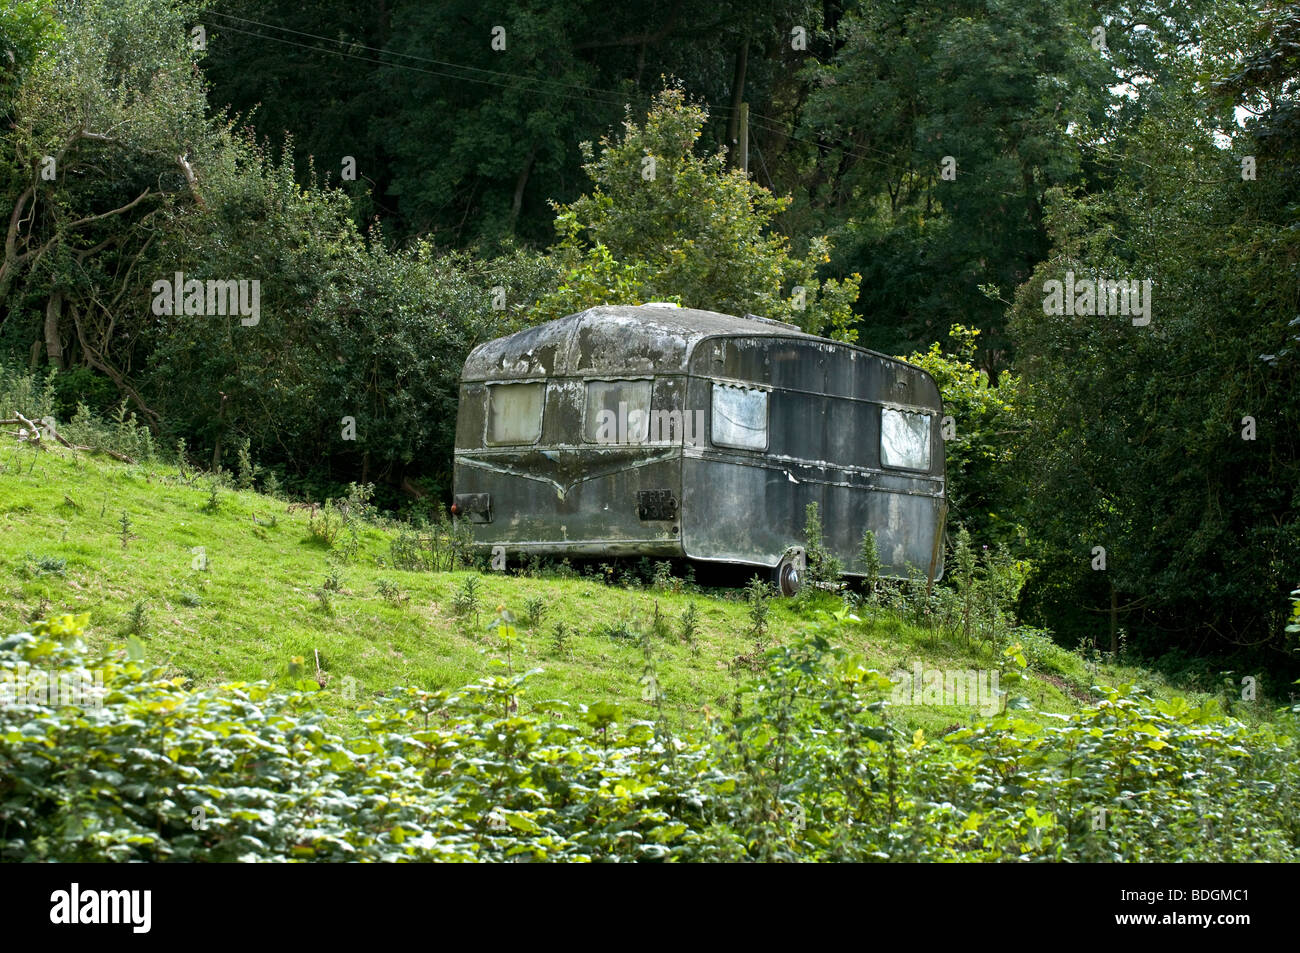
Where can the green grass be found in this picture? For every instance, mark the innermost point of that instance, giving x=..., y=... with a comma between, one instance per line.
x=256, y=607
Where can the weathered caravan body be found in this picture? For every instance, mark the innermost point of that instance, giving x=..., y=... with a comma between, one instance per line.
x=662, y=431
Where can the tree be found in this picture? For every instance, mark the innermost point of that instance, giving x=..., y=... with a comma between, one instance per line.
x=663, y=223
x=929, y=138
x=105, y=137
x=464, y=115
x=1172, y=445
x=347, y=329
x=980, y=429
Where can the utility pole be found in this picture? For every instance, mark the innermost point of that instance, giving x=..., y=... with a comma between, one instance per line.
x=744, y=138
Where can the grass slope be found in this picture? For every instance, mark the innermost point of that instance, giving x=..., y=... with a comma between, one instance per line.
x=255, y=607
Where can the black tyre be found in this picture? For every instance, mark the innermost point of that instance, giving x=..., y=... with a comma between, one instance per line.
x=788, y=576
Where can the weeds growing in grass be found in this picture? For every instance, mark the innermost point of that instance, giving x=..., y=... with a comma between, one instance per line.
x=504, y=626
x=688, y=626
x=324, y=599
x=247, y=471
x=869, y=560
x=534, y=612
x=137, y=622
x=355, y=511
x=664, y=579
x=42, y=566
x=325, y=524
x=121, y=434
x=432, y=546
x=560, y=639
x=659, y=627
x=182, y=470
x=963, y=558
x=40, y=611
x=338, y=522
x=124, y=533
x=466, y=602
x=271, y=485
x=758, y=594
x=650, y=690
x=390, y=591
x=620, y=630
x=824, y=567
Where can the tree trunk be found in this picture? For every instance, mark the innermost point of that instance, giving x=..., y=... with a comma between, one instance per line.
x=96, y=360
x=1114, y=622
x=53, y=343
x=737, y=97
x=221, y=432
x=520, y=184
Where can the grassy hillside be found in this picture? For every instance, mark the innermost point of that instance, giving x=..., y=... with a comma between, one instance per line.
x=84, y=534
x=813, y=763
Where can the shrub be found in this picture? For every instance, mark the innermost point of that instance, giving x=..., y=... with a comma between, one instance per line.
x=869, y=558
x=23, y=392
x=466, y=601
x=824, y=567
x=437, y=546
x=131, y=765
x=325, y=524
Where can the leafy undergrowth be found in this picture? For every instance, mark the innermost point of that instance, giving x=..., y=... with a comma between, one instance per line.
x=234, y=700
x=128, y=764
x=217, y=585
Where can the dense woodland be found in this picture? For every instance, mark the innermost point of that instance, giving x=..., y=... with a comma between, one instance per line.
x=407, y=179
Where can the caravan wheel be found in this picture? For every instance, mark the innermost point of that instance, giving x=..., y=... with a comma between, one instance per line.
x=788, y=574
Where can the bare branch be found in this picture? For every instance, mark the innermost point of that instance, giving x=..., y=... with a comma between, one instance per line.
x=191, y=179
x=117, y=211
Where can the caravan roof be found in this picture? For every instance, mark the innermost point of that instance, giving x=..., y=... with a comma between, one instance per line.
x=622, y=339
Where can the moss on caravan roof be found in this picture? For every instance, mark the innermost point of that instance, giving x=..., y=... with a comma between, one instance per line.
x=622, y=339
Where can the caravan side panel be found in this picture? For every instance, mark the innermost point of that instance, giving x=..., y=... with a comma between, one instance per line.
x=823, y=445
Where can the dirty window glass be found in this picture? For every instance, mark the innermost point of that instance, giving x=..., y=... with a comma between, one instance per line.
x=904, y=439
x=515, y=413
x=739, y=417
x=617, y=412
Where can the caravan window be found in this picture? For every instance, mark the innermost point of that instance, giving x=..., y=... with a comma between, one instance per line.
x=617, y=412
x=904, y=439
x=514, y=414
x=739, y=417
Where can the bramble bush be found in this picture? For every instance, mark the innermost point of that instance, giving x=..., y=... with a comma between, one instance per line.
x=808, y=766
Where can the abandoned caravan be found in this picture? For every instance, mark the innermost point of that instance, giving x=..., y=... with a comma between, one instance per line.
x=660, y=431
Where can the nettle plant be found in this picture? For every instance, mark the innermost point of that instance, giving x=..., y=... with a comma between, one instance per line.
x=809, y=765
x=824, y=567
x=433, y=544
